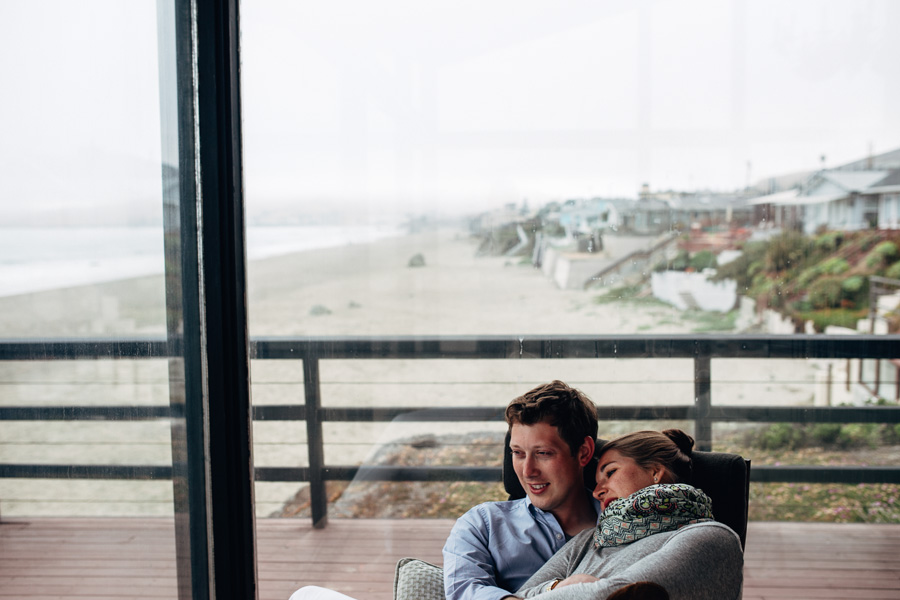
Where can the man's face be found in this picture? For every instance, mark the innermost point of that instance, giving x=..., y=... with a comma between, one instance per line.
x=544, y=464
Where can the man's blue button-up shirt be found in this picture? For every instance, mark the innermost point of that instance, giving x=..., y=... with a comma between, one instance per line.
x=496, y=546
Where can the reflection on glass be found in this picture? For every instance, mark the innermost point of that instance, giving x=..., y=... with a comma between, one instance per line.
x=84, y=441
x=525, y=171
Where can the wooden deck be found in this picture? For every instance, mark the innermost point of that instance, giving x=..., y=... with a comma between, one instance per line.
x=43, y=559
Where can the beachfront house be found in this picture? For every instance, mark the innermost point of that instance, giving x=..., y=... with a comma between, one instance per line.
x=580, y=217
x=840, y=200
x=706, y=209
x=888, y=193
x=863, y=194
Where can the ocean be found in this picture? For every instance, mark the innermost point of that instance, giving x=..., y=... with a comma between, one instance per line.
x=34, y=259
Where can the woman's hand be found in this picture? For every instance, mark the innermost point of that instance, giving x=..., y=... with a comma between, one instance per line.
x=577, y=578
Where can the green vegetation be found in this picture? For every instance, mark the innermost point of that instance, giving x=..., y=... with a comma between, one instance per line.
x=893, y=271
x=822, y=278
x=825, y=502
x=838, y=317
x=704, y=259
x=706, y=322
x=835, y=444
x=633, y=294
x=793, y=436
x=883, y=254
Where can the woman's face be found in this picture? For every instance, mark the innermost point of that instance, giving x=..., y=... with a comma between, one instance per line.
x=619, y=476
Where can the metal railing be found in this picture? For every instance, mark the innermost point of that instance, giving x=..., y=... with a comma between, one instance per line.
x=312, y=351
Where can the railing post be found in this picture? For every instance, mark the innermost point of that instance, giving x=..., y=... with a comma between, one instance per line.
x=314, y=442
x=702, y=403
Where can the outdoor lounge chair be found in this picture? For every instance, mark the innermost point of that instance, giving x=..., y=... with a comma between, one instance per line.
x=724, y=477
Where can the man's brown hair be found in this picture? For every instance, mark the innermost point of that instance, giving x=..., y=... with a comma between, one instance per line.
x=555, y=403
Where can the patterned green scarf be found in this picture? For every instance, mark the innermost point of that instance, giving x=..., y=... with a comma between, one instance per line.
x=654, y=509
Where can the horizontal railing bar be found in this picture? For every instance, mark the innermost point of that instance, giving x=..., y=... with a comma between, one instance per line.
x=84, y=348
x=279, y=412
x=806, y=414
x=583, y=346
x=442, y=414
x=483, y=347
x=86, y=413
x=784, y=414
x=383, y=473
x=823, y=474
x=759, y=473
x=430, y=473
x=136, y=472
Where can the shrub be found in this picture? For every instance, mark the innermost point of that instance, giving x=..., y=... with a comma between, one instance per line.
x=755, y=268
x=883, y=254
x=893, y=271
x=779, y=436
x=856, y=435
x=826, y=433
x=802, y=306
x=830, y=241
x=703, y=260
x=681, y=261
x=808, y=276
x=839, y=317
x=853, y=284
x=786, y=251
x=826, y=292
x=771, y=291
x=835, y=266
x=746, y=267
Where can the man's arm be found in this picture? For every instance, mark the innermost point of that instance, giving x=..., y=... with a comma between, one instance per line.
x=469, y=569
x=556, y=570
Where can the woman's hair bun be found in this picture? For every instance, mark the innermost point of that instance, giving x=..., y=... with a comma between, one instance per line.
x=684, y=442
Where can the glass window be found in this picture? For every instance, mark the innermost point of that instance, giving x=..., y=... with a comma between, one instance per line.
x=524, y=171
x=667, y=205
x=85, y=438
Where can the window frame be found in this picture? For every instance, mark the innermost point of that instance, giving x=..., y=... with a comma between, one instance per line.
x=206, y=299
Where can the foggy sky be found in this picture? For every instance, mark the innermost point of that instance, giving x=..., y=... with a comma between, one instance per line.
x=453, y=106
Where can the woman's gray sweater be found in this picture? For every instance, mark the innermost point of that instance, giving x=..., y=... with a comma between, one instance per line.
x=703, y=561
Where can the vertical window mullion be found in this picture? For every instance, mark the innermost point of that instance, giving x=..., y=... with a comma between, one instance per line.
x=206, y=298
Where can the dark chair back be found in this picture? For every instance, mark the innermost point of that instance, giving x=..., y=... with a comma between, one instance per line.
x=725, y=478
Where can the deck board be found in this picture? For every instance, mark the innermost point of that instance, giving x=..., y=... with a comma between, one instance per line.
x=135, y=558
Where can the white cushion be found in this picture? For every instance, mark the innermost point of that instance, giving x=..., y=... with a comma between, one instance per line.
x=416, y=579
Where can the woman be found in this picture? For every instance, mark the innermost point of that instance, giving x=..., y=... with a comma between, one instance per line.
x=654, y=529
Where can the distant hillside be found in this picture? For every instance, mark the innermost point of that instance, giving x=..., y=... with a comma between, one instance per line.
x=822, y=278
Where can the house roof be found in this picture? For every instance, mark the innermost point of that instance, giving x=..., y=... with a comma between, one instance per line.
x=785, y=197
x=854, y=181
x=893, y=179
x=885, y=160
x=792, y=198
x=819, y=199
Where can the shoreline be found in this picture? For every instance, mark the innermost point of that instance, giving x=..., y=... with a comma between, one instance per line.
x=356, y=289
x=359, y=289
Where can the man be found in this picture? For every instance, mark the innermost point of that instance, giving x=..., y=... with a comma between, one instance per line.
x=496, y=546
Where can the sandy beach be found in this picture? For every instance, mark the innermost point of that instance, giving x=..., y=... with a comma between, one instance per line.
x=365, y=289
